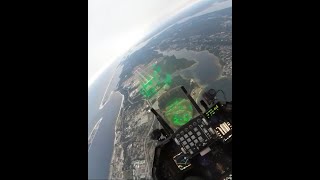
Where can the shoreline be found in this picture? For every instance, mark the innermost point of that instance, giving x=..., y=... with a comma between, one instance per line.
x=115, y=136
x=102, y=103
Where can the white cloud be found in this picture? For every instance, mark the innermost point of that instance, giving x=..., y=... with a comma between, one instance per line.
x=114, y=26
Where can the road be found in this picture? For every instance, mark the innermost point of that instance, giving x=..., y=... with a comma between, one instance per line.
x=145, y=149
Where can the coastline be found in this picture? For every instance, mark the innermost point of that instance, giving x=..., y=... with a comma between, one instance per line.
x=115, y=137
x=100, y=154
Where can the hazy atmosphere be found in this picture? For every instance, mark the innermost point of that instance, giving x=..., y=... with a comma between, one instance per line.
x=144, y=57
x=115, y=26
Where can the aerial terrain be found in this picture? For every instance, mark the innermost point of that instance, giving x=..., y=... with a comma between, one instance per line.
x=194, y=52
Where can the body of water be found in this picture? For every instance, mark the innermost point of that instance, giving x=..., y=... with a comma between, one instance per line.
x=207, y=70
x=101, y=148
x=102, y=87
x=100, y=152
